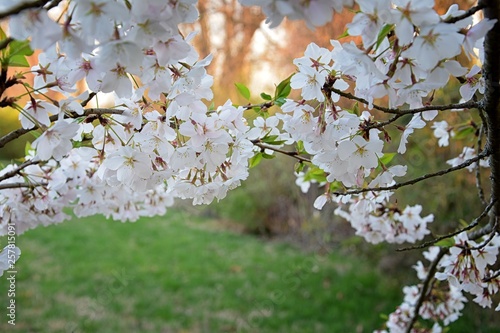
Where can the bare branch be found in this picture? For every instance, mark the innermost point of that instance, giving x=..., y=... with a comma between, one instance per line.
x=293, y=154
x=465, y=164
x=467, y=105
x=490, y=237
x=23, y=6
x=471, y=226
x=21, y=131
x=491, y=277
x=14, y=172
x=425, y=288
x=19, y=185
x=471, y=11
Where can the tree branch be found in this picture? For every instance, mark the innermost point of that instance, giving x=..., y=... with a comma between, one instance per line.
x=21, y=131
x=472, y=225
x=471, y=11
x=19, y=185
x=425, y=287
x=23, y=6
x=465, y=164
x=466, y=105
x=479, y=185
x=491, y=99
x=14, y=172
x=293, y=154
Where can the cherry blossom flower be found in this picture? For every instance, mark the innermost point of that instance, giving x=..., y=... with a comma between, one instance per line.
x=472, y=84
x=56, y=141
x=443, y=132
x=37, y=112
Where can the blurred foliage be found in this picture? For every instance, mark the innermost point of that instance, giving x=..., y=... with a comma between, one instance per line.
x=10, y=122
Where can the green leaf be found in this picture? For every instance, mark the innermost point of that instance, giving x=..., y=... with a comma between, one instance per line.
x=316, y=174
x=268, y=156
x=280, y=101
x=447, y=242
x=3, y=35
x=244, y=91
x=344, y=34
x=387, y=158
x=464, y=133
x=15, y=54
x=18, y=61
x=383, y=33
x=27, y=148
x=20, y=47
x=300, y=147
x=255, y=160
x=283, y=89
x=355, y=109
x=299, y=166
x=266, y=97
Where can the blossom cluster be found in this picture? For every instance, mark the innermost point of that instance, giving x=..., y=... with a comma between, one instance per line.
x=442, y=305
x=156, y=139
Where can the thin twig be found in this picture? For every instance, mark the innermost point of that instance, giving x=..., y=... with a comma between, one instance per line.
x=14, y=172
x=494, y=276
x=21, y=131
x=490, y=237
x=471, y=11
x=19, y=185
x=467, y=105
x=88, y=99
x=293, y=154
x=465, y=164
x=425, y=287
x=472, y=225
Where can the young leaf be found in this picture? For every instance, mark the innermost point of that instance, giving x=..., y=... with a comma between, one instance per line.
x=244, y=91
x=283, y=89
x=280, y=101
x=383, y=33
x=255, y=160
x=447, y=242
x=268, y=156
x=18, y=61
x=266, y=97
x=387, y=158
x=464, y=133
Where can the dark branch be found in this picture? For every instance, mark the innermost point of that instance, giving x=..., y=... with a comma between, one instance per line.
x=491, y=99
x=492, y=277
x=425, y=287
x=467, y=105
x=471, y=11
x=19, y=185
x=293, y=154
x=465, y=164
x=21, y=131
x=16, y=171
x=23, y=6
x=471, y=226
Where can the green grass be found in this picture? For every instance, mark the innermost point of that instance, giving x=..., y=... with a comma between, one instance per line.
x=179, y=274
x=174, y=274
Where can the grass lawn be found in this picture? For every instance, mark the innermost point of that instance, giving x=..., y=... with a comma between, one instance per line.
x=179, y=274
